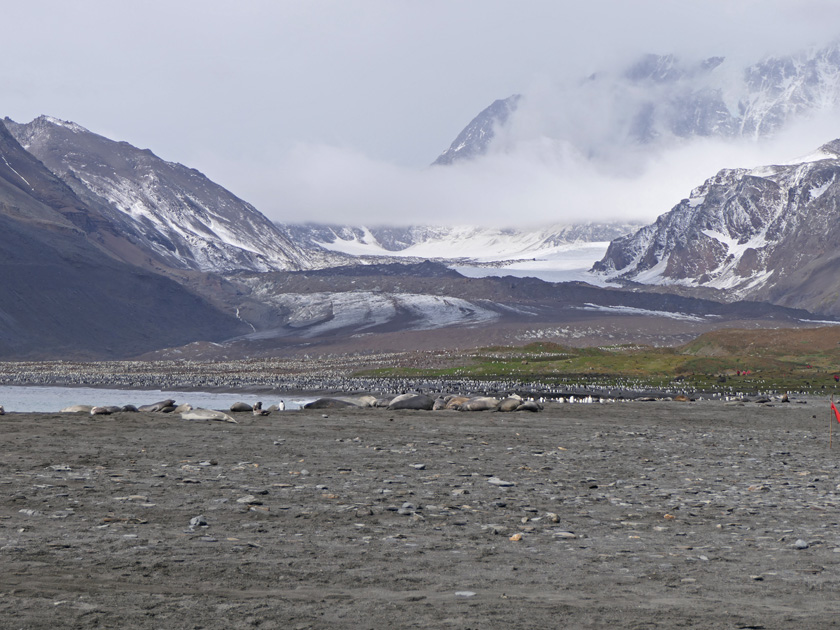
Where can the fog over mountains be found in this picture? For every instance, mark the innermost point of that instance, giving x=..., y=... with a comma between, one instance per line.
x=656, y=103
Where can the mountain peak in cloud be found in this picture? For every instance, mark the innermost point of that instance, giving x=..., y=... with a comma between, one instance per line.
x=657, y=101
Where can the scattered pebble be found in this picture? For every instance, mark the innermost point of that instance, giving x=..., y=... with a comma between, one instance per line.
x=500, y=482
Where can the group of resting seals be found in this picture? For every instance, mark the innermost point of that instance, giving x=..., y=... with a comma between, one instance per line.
x=257, y=408
x=427, y=403
x=186, y=410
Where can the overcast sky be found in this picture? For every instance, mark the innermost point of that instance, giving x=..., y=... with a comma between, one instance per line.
x=332, y=110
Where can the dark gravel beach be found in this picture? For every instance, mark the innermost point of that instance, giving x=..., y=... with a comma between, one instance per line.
x=634, y=515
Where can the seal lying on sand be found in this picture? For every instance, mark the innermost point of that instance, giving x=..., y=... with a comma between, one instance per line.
x=479, y=403
x=509, y=404
x=413, y=401
x=329, y=403
x=339, y=402
x=207, y=414
x=455, y=402
x=259, y=411
x=241, y=406
x=77, y=409
x=104, y=410
x=158, y=406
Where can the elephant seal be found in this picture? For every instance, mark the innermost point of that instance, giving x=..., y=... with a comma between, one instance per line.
x=259, y=411
x=415, y=401
x=328, y=403
x=129, y=408
x=509, y=404
x=158, y=406
x=358, y=401
x=529, y=405
x=281, y=406
x=77, y=409
x=440, y=403
x=364, y=401
x=104, y=410
x=241, y=406
x=455, y=402
x=382, y=402
x=207, y=414
x=400, y=398
x=479, y=403
x=182, y=408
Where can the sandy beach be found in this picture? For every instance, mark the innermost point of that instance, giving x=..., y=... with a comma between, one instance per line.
x=634, y=515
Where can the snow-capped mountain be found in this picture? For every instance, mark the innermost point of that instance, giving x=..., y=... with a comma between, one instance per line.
x=174, y=215
x=770, y=233
x=477, y=136
x=659, y=100
x=562, y=252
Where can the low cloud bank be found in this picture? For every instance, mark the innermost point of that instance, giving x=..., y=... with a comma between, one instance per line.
x=536, y=182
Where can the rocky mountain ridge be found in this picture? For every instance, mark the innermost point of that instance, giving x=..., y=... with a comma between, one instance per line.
x=769, y=233
x=174, y=214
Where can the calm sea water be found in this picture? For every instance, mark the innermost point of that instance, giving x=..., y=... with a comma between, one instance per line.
x=51, y=399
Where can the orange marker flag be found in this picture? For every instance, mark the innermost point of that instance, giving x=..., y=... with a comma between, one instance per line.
x=836, y=413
